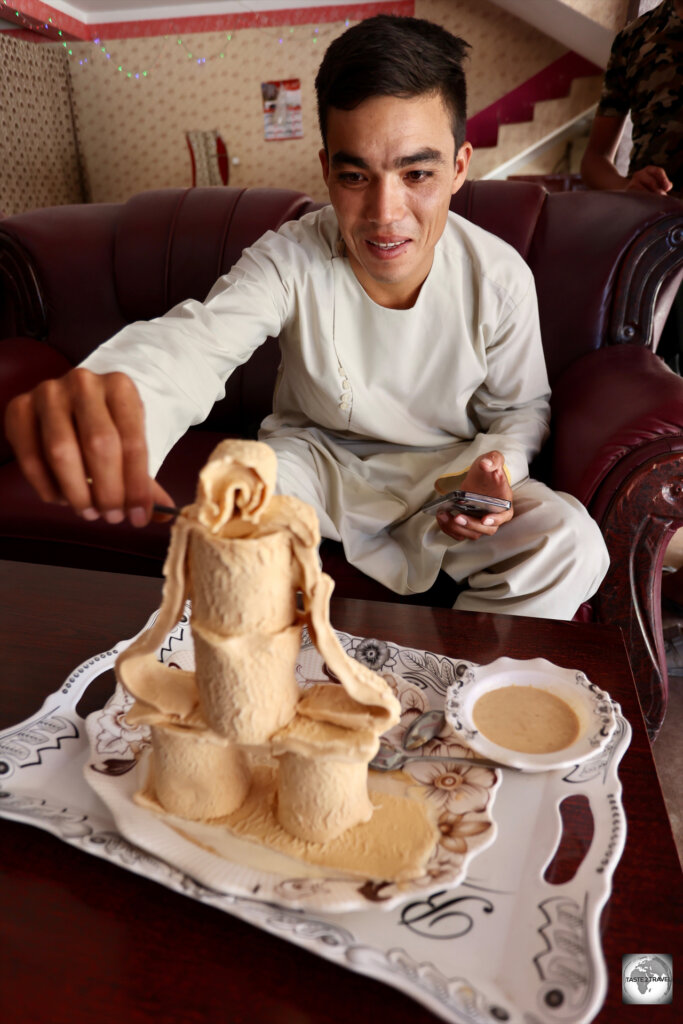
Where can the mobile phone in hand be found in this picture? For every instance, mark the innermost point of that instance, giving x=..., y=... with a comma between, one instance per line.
x=467, y=503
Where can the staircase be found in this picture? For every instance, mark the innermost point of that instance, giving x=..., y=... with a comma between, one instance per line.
x=552, y=122
x=555, y=105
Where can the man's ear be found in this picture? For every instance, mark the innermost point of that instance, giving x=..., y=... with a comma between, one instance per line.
x=462, y=163
x=325, y=164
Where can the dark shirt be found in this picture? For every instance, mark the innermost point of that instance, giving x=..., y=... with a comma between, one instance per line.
x=645, y=76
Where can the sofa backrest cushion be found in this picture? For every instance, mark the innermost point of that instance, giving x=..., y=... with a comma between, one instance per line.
x=584, y=248
x=56, y=279
x=173, y=244
x=509, y=210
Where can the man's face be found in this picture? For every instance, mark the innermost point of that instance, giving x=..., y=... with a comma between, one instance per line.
x=391, y=169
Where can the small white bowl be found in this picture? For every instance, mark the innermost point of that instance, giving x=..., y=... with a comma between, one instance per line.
x=592, y=706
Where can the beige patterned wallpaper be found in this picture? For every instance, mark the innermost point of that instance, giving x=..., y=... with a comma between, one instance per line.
x=131, y=129
x=39, y=165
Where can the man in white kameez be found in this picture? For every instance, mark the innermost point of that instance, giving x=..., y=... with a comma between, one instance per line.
x=411, y=357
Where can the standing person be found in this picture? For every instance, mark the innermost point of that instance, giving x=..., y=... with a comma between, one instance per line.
x=411, y=352
x=644, y=77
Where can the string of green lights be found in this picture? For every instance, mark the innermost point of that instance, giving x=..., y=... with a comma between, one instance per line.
x=74, y=48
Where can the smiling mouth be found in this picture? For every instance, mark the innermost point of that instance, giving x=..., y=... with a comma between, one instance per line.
x=386, y=247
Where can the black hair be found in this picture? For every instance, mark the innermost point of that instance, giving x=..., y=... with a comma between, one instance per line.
x=390, y=55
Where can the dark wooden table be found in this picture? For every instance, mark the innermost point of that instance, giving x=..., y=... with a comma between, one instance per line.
x=82, y=940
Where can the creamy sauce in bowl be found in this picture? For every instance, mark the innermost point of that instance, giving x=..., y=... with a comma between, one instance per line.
x=526, y=718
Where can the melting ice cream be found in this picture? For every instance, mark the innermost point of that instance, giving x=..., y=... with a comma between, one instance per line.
x=237, y=741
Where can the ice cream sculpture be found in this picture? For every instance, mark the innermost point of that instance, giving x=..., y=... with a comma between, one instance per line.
x=238, y=740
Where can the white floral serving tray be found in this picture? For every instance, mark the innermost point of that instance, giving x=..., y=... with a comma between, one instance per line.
x=502, y=945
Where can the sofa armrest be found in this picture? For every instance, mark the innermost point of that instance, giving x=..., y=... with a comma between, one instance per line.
x=612, y=407
x=618, y=447
x=25, y=362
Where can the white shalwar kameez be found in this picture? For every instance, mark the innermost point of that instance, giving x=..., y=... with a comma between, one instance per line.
x=372, y=405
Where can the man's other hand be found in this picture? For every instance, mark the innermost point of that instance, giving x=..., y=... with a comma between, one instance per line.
x=80, y=441
x=486, y=476
x=650, y=179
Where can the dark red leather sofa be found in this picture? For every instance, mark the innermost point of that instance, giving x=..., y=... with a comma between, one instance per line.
x=606, y=267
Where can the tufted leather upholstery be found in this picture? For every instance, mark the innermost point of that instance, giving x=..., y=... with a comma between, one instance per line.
x=606, y=266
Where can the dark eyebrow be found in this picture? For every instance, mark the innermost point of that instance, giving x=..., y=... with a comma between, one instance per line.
x=423, y=156
x=342, y=157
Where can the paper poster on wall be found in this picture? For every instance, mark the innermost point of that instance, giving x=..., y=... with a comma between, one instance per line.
x=282, y=109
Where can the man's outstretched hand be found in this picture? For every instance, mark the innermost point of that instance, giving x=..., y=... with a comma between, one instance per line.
x=80, y=441
x=485, y=476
